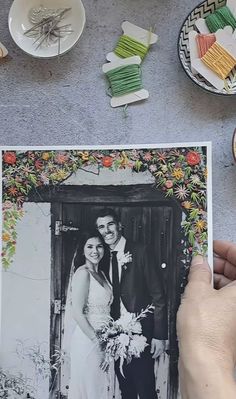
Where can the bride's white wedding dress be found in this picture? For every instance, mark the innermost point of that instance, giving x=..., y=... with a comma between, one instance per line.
x=87, y=380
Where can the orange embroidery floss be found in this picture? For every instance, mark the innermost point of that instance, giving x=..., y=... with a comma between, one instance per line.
x=219, y=60
x=204, y=42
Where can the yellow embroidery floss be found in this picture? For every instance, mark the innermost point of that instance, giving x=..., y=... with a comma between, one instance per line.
x=219, y=60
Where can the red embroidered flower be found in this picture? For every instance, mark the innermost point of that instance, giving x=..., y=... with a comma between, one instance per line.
x=38, y=164
x=169, y=184
x=193, y=158
x=107, y=161
x=10, y=158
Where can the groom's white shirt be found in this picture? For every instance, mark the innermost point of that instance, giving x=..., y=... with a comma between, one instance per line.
x=120, y=249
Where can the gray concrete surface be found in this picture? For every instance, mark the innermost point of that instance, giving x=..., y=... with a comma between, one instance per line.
x=50, y=102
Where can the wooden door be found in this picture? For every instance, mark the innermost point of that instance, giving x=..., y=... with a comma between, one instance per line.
x=146, y=217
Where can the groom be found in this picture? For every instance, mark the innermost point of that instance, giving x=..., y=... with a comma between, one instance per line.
x=136, y=284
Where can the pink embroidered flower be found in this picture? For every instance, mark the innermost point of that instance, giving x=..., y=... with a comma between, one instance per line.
x=169, y=184
x=61, y=158
x=147, y=156
x=153, y=168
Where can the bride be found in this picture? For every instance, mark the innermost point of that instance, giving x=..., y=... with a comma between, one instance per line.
x=91, y=297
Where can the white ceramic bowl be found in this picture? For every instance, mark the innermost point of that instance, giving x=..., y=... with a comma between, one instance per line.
x=19, y=22
x=201, y=11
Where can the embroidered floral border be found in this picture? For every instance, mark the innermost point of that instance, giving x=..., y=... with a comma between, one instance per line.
x=180, y=173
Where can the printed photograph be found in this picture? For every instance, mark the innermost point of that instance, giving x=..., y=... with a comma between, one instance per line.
x=96, y=246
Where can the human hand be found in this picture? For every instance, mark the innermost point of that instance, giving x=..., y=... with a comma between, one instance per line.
x=206, y=329
x=104, y=365
x=157, y=348
x=224, y=263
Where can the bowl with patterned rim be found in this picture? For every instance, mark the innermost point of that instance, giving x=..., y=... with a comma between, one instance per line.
x=202, y=11
x=19, y=22
x=234, y=145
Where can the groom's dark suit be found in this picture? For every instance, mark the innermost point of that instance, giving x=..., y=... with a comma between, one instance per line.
x=140, y=286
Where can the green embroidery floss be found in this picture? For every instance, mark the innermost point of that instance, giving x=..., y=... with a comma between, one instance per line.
x=128, y=47
x=220, y=18
x=125, y=79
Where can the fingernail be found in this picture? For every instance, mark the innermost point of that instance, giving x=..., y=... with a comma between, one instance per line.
x=197, y=260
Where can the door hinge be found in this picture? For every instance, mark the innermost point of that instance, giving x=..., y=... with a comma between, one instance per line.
x=60, y=228
x=57, y=306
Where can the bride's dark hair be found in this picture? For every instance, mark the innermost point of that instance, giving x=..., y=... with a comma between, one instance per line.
x=79, y=258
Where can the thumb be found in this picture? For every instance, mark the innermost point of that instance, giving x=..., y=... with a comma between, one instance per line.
x=200, y=270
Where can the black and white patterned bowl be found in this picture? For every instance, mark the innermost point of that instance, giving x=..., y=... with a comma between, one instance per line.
x=201, y=11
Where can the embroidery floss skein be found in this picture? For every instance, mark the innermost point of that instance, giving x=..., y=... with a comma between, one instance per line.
x=127, y=47
x=124, y=79
x=219, y=60
x=220, y=18
x=204, y=42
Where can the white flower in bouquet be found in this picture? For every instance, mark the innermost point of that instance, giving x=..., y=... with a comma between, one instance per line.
x=124, y=321
x=128, y=323
x=123, y=340
x=137, y=345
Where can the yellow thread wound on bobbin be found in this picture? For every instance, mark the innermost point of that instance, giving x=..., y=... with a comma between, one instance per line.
x=219, y=60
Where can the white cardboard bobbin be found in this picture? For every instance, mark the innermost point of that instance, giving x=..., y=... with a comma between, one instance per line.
x=227, y=40
x=201, y=22
x=128, y=98
x=141, y=35
x=3, y=51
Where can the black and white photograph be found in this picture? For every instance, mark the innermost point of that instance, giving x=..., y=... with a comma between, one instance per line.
x=96, y=247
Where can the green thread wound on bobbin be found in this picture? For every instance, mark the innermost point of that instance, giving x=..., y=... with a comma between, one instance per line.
x=128, y=47
x=220, y=18
x=125, y=79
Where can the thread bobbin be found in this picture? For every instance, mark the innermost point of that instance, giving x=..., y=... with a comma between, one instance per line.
x=140, y=35
x=131, y=97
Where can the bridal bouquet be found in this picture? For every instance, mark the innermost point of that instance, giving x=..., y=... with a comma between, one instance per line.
x=122, y=339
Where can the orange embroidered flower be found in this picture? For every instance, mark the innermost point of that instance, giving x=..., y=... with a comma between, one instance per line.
x=6, y=237
x=13, y=191
x=10, y=158
x=193, y=158
x=107, y=161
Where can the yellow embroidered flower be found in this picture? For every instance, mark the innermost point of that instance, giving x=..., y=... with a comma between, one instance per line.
x=6, y=237
x=205, y=173
x=200, y=225
x=178, y=174
x=124, y=160
x=45, y=156
x=60, y=175
x=187, y=204
x=84, y=155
